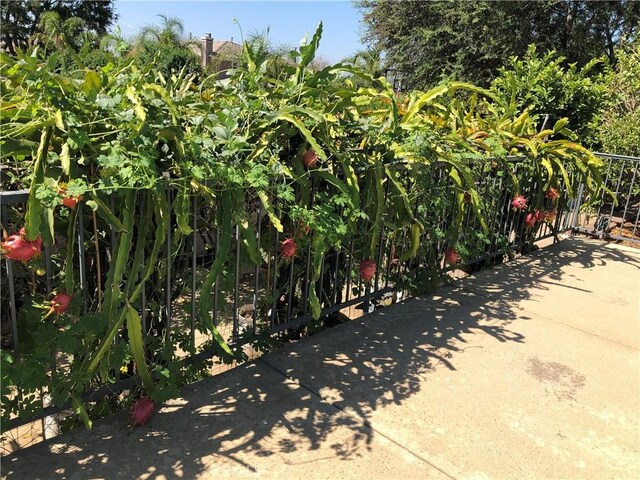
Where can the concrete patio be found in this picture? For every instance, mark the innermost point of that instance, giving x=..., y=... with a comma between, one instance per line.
x=528, y=370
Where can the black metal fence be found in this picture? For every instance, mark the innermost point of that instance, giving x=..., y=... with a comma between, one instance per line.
x=270, y=298
x=614, y=217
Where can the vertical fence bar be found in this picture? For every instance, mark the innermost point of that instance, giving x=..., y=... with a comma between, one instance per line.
x=389, y=262
x=635, y=225
x=275, y=295
x=167, y=296
x=576, y=207
x=629, y=194
x=307, y=279
x=320, y=290
x=236, y=287
x=47, y=267
x=606, y=182
x=399, y=274
x=336, y=264
x=497, y=207
x=624, y=163
x=82, y=266
x=307, y=273
x=216, y=287
x=349, y=269
x=256, y=276
x=380, y=239
x=290, y=297
x=143, y=298
x=12, y=293
x=194, y=265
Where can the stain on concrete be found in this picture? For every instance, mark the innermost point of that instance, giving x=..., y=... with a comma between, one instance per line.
x=557, y=378
x=615, y=301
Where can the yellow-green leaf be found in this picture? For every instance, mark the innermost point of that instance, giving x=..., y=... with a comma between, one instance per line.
x=65, y=158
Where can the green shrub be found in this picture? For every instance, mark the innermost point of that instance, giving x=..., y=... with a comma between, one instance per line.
x=620, y=129
x=546, y=85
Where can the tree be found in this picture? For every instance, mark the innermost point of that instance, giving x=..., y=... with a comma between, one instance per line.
x=164, y=47
x=22, y=20
x=620, y=129
x=471, y=40
x=369, y=61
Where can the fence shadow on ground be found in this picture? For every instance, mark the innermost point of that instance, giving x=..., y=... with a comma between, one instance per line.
x=268, y=416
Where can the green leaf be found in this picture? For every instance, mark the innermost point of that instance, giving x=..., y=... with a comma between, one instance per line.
x=81, y=411
x=166, y=98
x=106, y=343
x=120, y=257
x=314, y=304
x=161, y=209
x=137, y=106
x=379, y=208
x=92, y=84
x=34, y=208
x=565, y=176
x=48, y=231
x=207, y=285
x=182, y=209
x=404, y=196
x=418, y=102
x=347, y=190
x=60, y=121
x=303, y=130
x=105, y=213
x=475, y=204
x=560, y=124
x=134, y=330
x=546, y=163
x=308, y=52
x=249, y=238
x=415, y=243
x=68, y=264
x=275, y=221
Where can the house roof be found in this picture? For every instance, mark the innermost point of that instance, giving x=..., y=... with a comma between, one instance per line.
x=226, y=47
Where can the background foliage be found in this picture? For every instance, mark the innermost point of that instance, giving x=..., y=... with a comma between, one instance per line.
x=22, y=20
x=548, y=86
x=471, y=40
x=619, y=131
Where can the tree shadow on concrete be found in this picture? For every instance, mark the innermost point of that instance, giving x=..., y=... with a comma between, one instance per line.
x=309, y=403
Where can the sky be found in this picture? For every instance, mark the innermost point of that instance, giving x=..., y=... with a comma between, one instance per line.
x=288, y=20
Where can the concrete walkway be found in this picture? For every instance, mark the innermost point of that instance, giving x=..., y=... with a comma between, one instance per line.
x=528, y=370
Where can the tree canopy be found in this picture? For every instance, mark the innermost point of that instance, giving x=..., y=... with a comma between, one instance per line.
x=471, y=40
x=165, y=47
x=620, y=128
x=22, y=20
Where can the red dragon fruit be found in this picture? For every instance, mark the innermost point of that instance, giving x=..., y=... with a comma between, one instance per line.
x=141, y=411
x=60, y=302
x=310, y=159
x=288, y=248
x=519, y=202
x=451, y=256
x=367, y=269
x=552, y=194
x=17, y=247
x=530, y=220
